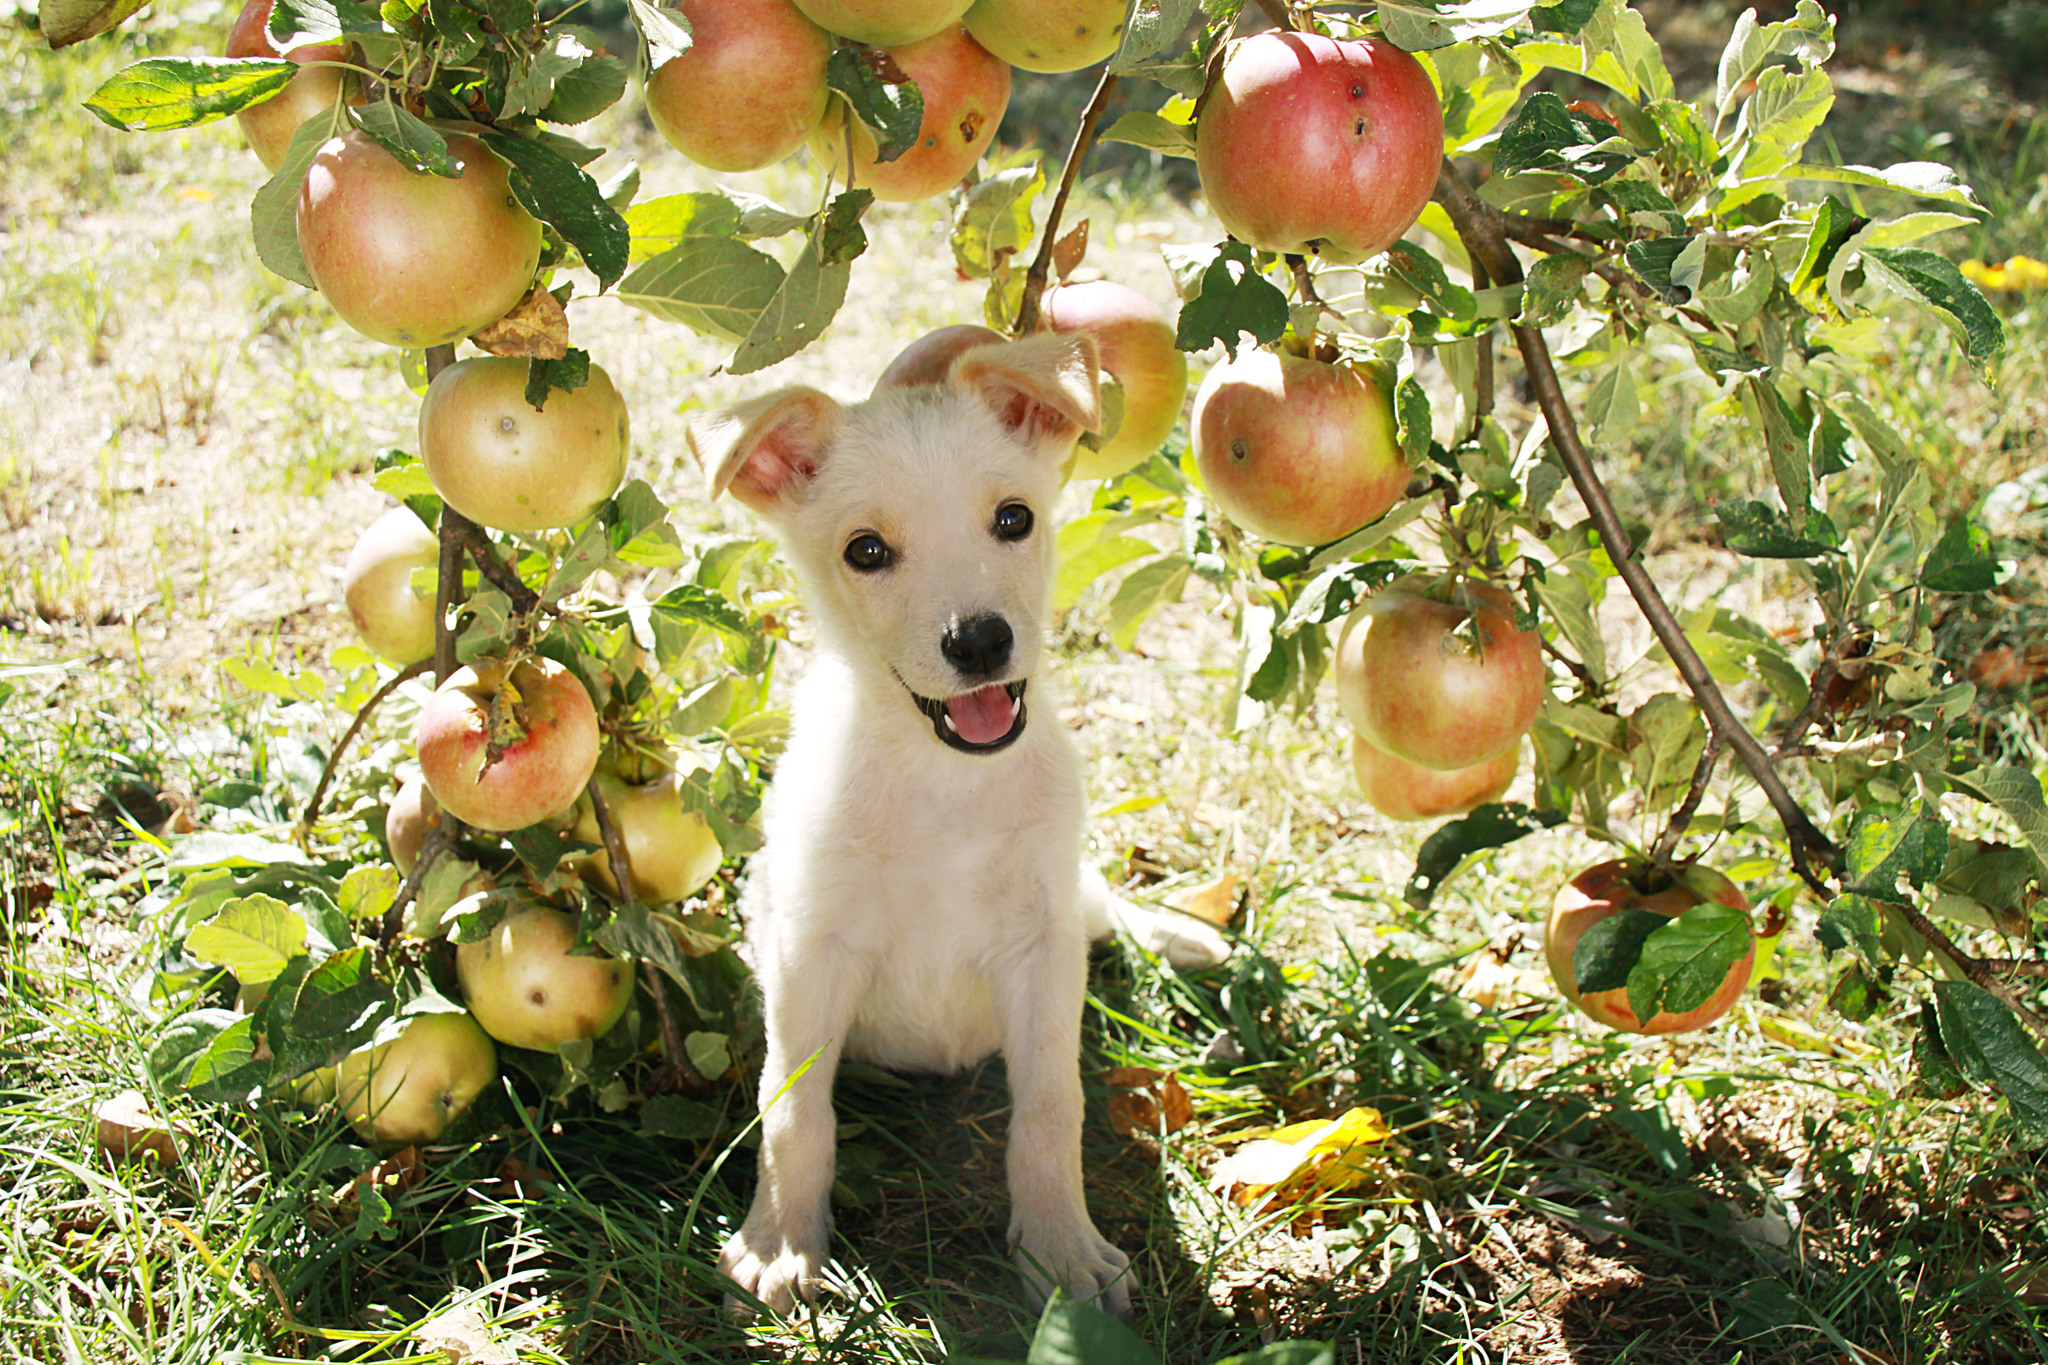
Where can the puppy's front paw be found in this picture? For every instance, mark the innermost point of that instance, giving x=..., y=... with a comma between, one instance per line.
x=1079, y=1261
x=1188, y=943
x=773, y=1266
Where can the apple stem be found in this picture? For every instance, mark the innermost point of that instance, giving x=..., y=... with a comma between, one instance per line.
x=1041, y=264
x=1681, y=818
x=1477, y=227
x=1987, y=973
x=304, y=829
x=1281, y=13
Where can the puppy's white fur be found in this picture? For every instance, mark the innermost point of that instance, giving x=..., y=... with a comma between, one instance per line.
x=915, y=906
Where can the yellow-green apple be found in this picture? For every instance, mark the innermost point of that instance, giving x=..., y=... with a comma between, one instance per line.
x=504, y=748
x=1608, y=889
x=749, y=90
x=672, y=850
x=928, y=359
x=1298, y=450
x=269, y=126
x=394, y=616
x=965, y=93
x=1443, y=684
x=1048, y=35
x=528, y=989
x=410, y=1089
x=1134, y=338
x=1307, y=143
x=884, y=23
x=1401, y=790
x=503, y=463
x=412, y=815
x=414, y=259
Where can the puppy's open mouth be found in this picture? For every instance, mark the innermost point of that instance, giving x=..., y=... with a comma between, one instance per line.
x=978, y=722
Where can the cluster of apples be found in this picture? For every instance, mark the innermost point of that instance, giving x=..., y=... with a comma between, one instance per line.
x=751, y=89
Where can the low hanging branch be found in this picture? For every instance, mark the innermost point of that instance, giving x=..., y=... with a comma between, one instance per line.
x=1681, y=819
x=1993, y=975
x=1041, y=265
x=1478, y=230
x=311, y=815
x=449, y=588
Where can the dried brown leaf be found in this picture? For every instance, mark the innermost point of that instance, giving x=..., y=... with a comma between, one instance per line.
x=128, y=1130
x=537, y=328
x=1068, y=251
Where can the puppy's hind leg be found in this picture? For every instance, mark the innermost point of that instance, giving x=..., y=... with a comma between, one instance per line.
x=1186, y=942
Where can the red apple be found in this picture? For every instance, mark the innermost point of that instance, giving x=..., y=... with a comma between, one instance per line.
x=884, y=23
x=1048, y=35
x=927, y=359
x=672, y=850
x=395, y=618
x=1306, y=143
x=548, y=742
x=411, y=816
x=965, y=93
x=1401, y=790
x=1134, y=337
x=504, y=464
x=1609, y=888
x=1442, y=684
x=1297, y=450
x=528, y=989
x=749, y=90
x=269, y=126
x=415, y=260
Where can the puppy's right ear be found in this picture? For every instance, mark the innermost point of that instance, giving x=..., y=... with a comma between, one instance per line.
x=768, y=450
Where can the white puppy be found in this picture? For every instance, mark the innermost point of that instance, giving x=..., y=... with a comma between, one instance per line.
x=920, y=901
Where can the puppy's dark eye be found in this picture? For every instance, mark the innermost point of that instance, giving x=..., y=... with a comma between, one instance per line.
x=868, y=552
x=1013, y=521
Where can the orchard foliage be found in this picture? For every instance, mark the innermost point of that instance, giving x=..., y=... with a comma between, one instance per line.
x=1592, y=228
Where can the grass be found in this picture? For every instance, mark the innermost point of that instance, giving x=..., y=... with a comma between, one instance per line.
x=185, y=467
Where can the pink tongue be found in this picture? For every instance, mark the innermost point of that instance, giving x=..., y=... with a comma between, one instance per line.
x=982, y=716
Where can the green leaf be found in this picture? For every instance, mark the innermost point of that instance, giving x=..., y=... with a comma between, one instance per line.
x=710, y=1053
x=881, y=96
x=1993, y=875
x=665, y=30
x=841, y=238
x=1937, y=1070
x=1553, y=288
x=1090, y=562
x=1784, y=441
x=1610, y=948
x=1412, y=417
x=1935, y=281
x=326, y=1012
x=1566, y=17
x=581, y=94
x=637, y=932
x=529, y=87
x=1425, y=274
x=1992, y=1047
x=1153, y=133
x=1612, y=407
x=227, y=1071
x=1071, y=1333
x=1852, y=921
x=1685, y=961
x=1234, y=299
x=1153, y=27
x=688, y=606
x=714, y=285
x=1963, y=560
x=1666, y=738
x=2016, y=792
x=660, y=225
x=1144, y=590
x=1928, y=179
x=994, y=219
x=1639, y=197
x=567, y=374
x=1776, y=122
x=637, y=522
x=416, y=146
x=796, y=314
x=64, y=22
x=253, y=937
x=367, y=892
x=1548, y=136
x=1652, y=261
x=672, y=1116
x=1855, y=995
x=1888, y=841
x=1761, y=531
x=182, y=92
x=561, y=194
x=1423, y=25
x=1808, y=37
x=1489, y=826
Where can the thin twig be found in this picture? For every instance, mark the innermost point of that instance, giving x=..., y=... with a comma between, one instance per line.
x=439, y=840
x=1681, y=819
x=678, y=1072
x=2014, y=966
x=1574, y=667
x=614, y=845
x=304, y=829
x=484, y=555
x=1041, y=265
x=1975, y=968
x=1482, y=367
x=1823, y=676
x=1470, y=216
x=449, y=588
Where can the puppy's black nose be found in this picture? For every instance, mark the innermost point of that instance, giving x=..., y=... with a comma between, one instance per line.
x=977, y=644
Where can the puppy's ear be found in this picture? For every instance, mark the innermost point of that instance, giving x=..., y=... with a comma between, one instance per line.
x=1046, y=388
x=766, y=451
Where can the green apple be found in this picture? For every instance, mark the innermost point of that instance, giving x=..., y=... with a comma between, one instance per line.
x=528, y=989
x=410, y=1089
x=672, y=850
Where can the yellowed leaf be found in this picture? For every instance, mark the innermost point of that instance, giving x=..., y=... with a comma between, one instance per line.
x=2018, y=272
x=537, y=327
x=1303, y=1160
x=1215, y=903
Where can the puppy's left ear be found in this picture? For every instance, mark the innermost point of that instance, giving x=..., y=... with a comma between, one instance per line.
x=1046, y=388
x=766, y=452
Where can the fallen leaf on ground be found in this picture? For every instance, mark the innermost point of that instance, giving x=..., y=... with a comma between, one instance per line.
x=128, y=1130
x=1147, y=1102
x=1216, y=902
x=1305, y=1160
x=462, y=1335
